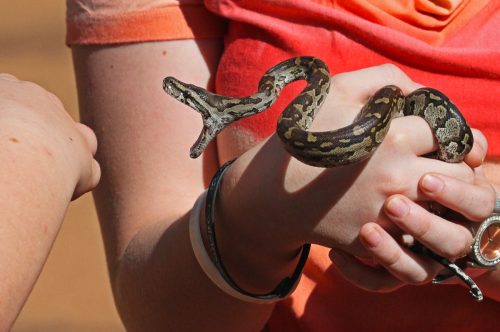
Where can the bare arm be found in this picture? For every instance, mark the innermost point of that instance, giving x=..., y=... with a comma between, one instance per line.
x=150, y=184
x=46, y=160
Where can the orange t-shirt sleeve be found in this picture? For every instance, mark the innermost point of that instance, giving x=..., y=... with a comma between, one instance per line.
x=124, y=21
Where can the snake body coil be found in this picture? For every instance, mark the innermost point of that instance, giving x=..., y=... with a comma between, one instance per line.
x=343, y=146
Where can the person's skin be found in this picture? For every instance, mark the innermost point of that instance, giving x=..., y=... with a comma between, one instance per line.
x=149, y=186
x=47, y=160
x=431, y=229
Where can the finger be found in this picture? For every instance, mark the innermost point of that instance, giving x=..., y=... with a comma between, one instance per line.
x=90, y=181
x=352, y=90
x=362, y=275
x=417, y=168
x=89, y=136
x=8, y=77
x=96, y=174
x=475, y=201
x=411, y=134
x=445, y=238
x=401, y=263
x=414, y=132
x=478, y=152
x=55, y=100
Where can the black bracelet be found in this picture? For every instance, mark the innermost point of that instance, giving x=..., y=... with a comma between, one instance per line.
x=284, y=287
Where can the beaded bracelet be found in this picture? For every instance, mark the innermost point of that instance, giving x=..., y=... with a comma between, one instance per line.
x=284, y=288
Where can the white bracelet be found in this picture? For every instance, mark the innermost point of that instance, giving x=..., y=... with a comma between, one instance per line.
x=206, y=263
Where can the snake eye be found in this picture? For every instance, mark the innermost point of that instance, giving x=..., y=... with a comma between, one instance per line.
x=167, y=83
x=169, y=86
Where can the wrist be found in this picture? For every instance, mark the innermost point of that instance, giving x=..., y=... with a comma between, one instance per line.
x=26, y=144
x=253, y=265
x=256, y=260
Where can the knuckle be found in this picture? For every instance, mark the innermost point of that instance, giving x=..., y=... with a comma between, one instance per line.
x=469, y=176
x=392, y=72
x=483, y=207
x=421, y=229
x=479, y=215
x=466, y=174
x=55, y=99
x=8, y=77
x=40, y=91
x=491, y=202
x=396, y=180
x=31, y=86
x=393, y=260
x=458, y=248
x=396, y=140
x=480, y=139
x=341, y=82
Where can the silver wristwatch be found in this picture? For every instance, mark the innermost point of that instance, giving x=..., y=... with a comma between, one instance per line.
x=486, y=245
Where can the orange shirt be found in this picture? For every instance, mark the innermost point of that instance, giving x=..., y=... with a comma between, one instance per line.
x=432, y=41
x=125, y=21
x=453, y=45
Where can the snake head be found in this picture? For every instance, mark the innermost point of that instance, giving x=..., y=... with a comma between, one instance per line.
x=188, y=94
x=176, y=89
x=200, y=100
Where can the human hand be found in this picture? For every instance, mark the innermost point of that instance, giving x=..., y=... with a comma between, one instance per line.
x=33, y=118
x=303, y=204
x=468, y=203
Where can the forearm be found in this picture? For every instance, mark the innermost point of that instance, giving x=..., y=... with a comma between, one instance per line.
x=160, y=285
x=157, y=282
x=35, y=191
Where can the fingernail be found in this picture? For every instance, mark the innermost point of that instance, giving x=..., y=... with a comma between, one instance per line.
x=432, y=183
x=372, y=237
x=397, y=207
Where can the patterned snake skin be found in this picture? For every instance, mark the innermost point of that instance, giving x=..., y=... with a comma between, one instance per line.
x=343, y=146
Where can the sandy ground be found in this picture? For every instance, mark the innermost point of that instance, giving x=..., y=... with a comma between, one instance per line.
x=73, y=292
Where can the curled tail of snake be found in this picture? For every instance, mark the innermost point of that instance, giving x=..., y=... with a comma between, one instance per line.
x=344, y=146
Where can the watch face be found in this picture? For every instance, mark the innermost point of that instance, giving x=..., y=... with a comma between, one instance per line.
x=486, y=248
x=490, y=242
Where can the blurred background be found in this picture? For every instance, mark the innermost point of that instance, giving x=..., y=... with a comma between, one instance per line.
x=73, y=292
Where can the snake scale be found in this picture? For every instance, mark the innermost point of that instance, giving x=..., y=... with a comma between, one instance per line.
x=343, y=146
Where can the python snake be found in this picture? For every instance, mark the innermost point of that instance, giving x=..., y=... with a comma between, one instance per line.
x=344, y=146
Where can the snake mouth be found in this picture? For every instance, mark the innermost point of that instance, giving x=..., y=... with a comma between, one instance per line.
x=170, y=87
